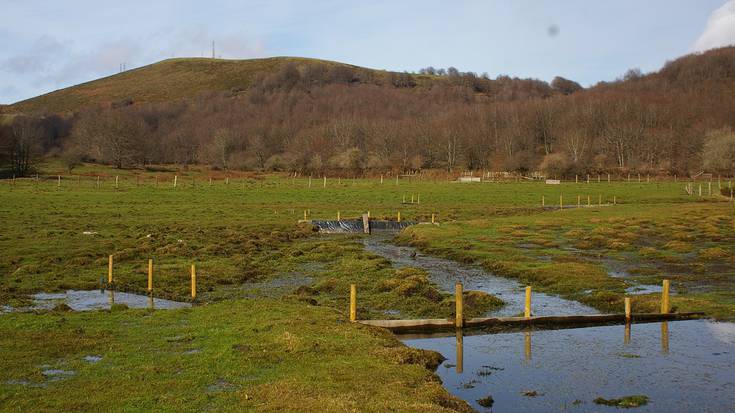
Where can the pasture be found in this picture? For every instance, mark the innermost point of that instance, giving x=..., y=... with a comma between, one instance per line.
x=272, y=294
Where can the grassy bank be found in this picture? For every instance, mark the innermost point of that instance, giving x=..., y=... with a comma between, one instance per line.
x=576, y=253
x=246, y=355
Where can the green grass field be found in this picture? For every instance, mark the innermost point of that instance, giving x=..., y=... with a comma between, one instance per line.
x=288, y=351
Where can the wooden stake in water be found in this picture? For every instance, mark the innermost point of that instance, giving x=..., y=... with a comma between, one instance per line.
x=527, y=306
x=459, y=316
x=665, y=297
x=193, y=281
x=150, y=275
x=627, y=309
x=353, y=303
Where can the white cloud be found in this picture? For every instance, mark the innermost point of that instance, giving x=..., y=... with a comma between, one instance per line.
x=720, y=29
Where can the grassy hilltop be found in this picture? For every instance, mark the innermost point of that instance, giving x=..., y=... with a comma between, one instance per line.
x=168, y=80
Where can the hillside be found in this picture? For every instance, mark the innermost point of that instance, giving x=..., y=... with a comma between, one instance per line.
x=166, y=81
x=183, y=78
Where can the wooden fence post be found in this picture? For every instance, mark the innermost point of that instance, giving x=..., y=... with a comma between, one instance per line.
x=627, y=309
x=459, y=316
x=117, y=179
x=353, y=303
x=193, y=281
x=665, y=297
x=399, y=216
x=433, y=218
x=543, y=201
x=579, y=201
x=561, y=202
x=176, y=179
x=338, y=216
x=527, y=307
x=150, y=275
x=109, y=270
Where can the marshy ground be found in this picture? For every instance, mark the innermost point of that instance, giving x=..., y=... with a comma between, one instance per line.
x=269, y=332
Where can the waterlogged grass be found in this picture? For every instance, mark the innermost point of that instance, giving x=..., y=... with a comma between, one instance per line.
x=574, y=253
x=245, y=355
x=293, y=351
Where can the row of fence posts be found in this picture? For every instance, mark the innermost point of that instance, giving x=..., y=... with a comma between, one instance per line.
x=111, y=283
x=339, y=180
x=579, y=201
x=459, y=305
x=339, y=216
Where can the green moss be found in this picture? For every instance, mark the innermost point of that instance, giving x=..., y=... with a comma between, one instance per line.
x=626, y=402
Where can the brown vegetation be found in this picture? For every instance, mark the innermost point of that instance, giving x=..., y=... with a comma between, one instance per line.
x=312, y=117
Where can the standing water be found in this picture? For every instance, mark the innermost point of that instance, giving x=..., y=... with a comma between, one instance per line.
x=445, y=273
x=681, y=366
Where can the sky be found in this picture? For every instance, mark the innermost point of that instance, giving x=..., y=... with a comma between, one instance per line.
x=49, y=44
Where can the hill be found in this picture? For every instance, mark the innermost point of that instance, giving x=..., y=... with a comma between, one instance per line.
x=187, y=78
x=169, y=80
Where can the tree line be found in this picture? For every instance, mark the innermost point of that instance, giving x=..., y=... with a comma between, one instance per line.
x=311, y=118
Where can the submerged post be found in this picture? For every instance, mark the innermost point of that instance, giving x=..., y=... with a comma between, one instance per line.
x=150, y=275
x=527, y=309
x=459, y=317
x=193, y=281
x=353, y=302
x=665, y=297
x=627, y=309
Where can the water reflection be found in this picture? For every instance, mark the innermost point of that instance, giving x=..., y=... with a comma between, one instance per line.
x=111, y=297
x=460, y=350
x=581, y=364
